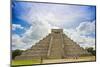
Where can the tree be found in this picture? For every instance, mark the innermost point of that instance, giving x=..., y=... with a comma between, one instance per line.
x=91, y=50
x=16, y=53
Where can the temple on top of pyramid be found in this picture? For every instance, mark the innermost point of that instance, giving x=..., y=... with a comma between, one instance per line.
x=55, y=45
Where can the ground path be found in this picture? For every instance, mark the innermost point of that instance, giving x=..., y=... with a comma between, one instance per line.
x=69, y=60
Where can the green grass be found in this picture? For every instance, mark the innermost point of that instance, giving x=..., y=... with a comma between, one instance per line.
x=25, y=62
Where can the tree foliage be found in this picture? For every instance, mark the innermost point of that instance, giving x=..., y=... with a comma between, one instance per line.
x=16, y=53
x=91, y=50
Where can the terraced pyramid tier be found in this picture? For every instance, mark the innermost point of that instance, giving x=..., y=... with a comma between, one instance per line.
x=55, y=45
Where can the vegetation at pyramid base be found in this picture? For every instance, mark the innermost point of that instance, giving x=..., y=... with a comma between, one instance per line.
x=16, y=52
x=91, y=50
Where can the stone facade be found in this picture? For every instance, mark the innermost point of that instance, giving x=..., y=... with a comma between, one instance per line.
x=55, y=45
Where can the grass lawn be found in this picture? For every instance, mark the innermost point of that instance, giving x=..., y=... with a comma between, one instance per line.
x=44, y=61
x=25, y=62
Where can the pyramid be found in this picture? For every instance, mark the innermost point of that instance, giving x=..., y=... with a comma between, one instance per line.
x=55, y=45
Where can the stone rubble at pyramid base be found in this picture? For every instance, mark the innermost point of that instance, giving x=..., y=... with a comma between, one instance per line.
x=54, y=46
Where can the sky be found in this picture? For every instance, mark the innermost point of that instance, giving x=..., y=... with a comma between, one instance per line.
x=32, y=21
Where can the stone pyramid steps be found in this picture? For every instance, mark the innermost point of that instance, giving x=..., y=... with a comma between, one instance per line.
x=72, y=49
x=56, y=50
x=55, y=45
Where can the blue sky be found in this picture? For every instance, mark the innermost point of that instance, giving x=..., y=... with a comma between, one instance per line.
x=33, y=21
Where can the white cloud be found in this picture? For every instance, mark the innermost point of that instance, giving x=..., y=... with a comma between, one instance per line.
x=44, y=18
x=15, y=26
x=36, y=32
x=16, y=42
x=84, y=28
x=40, y=28
x=56, y=15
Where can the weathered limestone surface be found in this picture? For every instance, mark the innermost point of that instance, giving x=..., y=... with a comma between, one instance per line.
x=55, y=45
